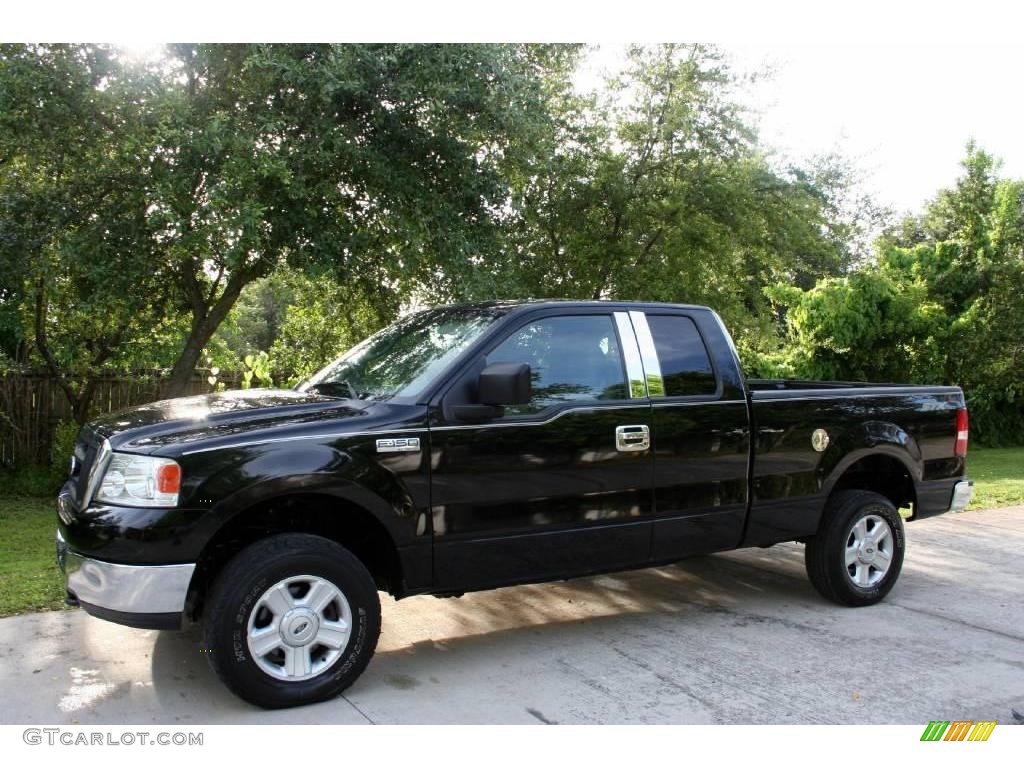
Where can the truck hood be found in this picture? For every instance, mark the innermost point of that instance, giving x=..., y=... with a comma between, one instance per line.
x=188, y=419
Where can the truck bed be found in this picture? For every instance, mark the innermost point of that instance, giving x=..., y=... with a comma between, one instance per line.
x=885, y=428
x=787, y=389
x=760, y=385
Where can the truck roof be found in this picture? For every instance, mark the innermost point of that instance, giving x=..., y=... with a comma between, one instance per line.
x=572, y=303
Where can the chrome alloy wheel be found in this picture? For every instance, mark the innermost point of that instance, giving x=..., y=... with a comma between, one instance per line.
x=299, y=627
x=869, y=551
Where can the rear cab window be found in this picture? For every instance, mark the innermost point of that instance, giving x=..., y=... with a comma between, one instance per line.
x=686, y=368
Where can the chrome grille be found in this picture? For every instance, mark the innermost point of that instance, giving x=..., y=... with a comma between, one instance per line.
x=88, y=460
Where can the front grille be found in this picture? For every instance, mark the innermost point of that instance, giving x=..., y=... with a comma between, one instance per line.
x=77, y=458
x=88, y=454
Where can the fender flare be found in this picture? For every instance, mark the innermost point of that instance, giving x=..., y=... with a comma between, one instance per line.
x=870, y=438
x=312, y=469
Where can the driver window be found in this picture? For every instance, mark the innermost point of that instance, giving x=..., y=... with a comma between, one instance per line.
x=571, y=358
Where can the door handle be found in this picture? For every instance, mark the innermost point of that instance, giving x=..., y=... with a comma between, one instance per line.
x=632, y=437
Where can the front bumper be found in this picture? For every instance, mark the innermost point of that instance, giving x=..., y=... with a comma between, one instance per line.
x=144, y=596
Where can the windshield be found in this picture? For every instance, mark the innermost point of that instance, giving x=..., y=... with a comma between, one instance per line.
x=402, y=359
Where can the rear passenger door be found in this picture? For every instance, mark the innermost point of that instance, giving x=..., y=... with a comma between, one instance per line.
x=700, y=432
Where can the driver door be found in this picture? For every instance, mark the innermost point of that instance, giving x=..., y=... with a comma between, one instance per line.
x=555, y=487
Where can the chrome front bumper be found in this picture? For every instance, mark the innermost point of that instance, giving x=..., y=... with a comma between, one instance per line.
x=962, y=493
x=149, y=596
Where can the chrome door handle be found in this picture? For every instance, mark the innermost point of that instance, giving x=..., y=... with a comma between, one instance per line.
x=633, y=437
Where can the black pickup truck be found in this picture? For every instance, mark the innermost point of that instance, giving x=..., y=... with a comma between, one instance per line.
x=471, y=447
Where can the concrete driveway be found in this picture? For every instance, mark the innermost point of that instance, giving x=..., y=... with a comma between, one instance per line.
x=733, y=638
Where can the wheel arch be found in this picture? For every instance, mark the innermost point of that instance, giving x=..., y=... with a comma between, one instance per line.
x=885, y=470
x=338, y=518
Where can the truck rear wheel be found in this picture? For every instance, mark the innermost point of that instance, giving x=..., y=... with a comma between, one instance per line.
x=291, y=619
x=857, y=554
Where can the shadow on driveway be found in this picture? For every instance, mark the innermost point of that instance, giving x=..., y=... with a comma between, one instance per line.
x=734, y=638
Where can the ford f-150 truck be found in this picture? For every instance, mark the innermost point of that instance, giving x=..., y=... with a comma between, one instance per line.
x=471, y=447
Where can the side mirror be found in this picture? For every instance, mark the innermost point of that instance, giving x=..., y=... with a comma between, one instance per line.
x=505, y=384
x=500, y=384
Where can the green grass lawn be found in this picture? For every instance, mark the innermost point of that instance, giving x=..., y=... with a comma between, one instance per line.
x=998, y=475
x=29, y=580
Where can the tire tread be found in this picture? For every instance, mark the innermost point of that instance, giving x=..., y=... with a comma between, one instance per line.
x=821, y=568
x=262, y=555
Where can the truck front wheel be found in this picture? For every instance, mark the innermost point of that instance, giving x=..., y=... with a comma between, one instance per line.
x=857, y=554
x=291, y=619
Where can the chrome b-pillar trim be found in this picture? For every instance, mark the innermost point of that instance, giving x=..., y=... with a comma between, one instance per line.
x=631, y=354
x=648, y=354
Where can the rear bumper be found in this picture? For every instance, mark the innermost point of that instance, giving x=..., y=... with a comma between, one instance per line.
x=939, y=496
x=144, y=596
x=962, y=493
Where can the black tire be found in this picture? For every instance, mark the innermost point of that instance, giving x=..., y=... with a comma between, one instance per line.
x=244, y=580
x=825, y=555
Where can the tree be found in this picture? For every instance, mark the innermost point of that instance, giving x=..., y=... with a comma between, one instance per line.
x=380, y=161
x=869, y=325
x=75, y=242
x=951, y=244
x=323, y=319
x=659, y=190
x=256, y=319
x=941, y=302
x=141, y=193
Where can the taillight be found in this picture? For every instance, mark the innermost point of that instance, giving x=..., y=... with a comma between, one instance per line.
x=960, y=449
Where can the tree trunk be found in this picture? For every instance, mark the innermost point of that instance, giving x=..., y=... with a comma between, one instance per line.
x=80, y=399
x=205, y=322
x=185, y=365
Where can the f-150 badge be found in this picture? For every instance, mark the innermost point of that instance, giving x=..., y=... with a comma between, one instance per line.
x=398, y=444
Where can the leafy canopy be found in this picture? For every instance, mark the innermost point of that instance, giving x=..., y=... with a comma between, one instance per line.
x=146, y=199
x=942, y=301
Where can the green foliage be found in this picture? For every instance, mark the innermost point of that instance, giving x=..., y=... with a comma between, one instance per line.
x=323, y=320
x=941, y=302
x=255, y=321
x=281, y=202
x=63, y=445
x=864, y=326
x=257, y=370
x=657, y=189
x=76, y=247
x=32, y=480
x=44, y=479
x=136, y=202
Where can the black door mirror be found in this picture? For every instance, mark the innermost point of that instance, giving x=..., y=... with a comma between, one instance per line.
x=505, y=384
x=500, y=384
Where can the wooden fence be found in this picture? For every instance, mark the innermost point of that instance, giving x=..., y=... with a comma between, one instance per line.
x=33, y=403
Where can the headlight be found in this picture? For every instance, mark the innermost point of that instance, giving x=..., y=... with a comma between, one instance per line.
x=140, y=481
